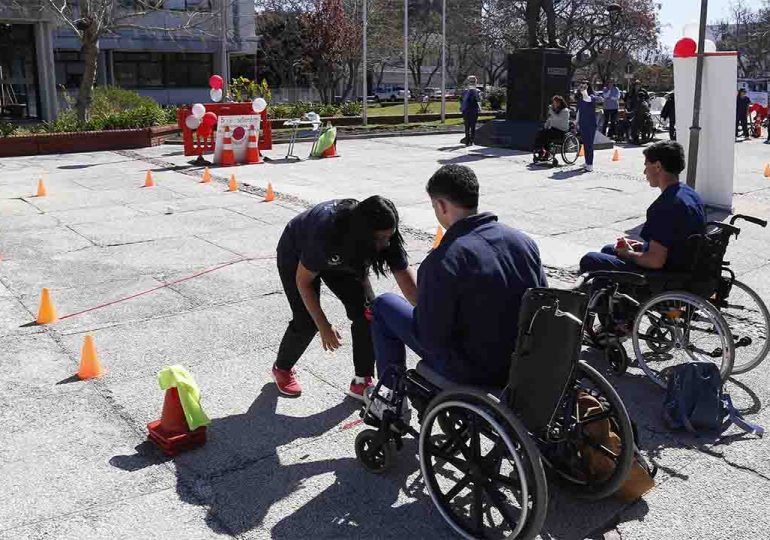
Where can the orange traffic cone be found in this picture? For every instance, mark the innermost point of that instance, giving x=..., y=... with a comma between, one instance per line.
x=148, y=181
x=252, y=148
x=767, y=170
x=228, y=157
x=90, y=366
x=438, y=238
x=269, y=196
x=41, y=191
x=171, y=432
x=47, y=312
x=232, y=185
x=206, y=176
x=331, y=151
x=616, y=155
x=582, y=152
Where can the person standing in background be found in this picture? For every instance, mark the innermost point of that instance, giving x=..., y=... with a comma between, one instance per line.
x=586, y=106
x=470, y=105
x=611, y=95
x=742, y=114
x=669, y=113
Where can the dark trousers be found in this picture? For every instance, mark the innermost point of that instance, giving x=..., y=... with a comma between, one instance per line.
x=742, y=122
x=301, y=330
x=587, y=134
x=610, y=122
x=671, y=130
x=606, y=260
x=469, y=119
x=545, y=136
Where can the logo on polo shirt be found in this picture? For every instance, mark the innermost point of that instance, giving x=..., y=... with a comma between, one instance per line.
x=334, y=260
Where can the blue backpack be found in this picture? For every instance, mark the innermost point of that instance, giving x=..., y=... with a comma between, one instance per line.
x=695, y=401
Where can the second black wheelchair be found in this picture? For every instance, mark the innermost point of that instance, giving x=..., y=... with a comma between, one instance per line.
x=568, y=147
x=484, y=452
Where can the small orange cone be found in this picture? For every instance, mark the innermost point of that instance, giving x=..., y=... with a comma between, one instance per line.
x=767, y=170
x=90, y=366
x=47, y=313
x=582, y=152
x=228, y=156
x=41, y=191
x=331, y=151
x=148, y=181
x=439, y=237
x=252, y=148
x=616, y=155
x=232, y=185
x=206, y=176
x=269, y=196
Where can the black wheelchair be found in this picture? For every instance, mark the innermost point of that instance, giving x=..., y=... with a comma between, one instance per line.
x=567, y=146
x=484, y=452
x=702, y=314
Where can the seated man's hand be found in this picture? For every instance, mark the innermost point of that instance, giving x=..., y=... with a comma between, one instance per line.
x=623, y=252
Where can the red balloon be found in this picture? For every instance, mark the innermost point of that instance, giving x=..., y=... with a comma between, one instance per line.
x=209, y=119
x=685, y=48
x=216, y=82
x=204, y=131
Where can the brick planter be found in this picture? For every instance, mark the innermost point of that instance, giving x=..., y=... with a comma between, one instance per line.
x=85, y=141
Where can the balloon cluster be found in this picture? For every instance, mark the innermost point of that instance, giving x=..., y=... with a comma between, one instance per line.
x=216, y=83
x=687, y=46
x=200, y=121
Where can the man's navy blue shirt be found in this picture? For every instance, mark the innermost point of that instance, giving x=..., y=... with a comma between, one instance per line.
x=469, y=291
x=676, y=214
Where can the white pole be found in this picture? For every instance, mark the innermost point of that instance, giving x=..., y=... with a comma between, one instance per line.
x=443, y=62
x=692, y=159
x=364, y=92
x=223, y=53
x=406, y=61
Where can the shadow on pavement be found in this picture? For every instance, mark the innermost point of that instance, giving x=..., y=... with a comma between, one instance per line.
x=566, y=175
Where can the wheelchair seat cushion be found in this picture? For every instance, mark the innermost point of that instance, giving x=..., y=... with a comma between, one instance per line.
x=433, y=377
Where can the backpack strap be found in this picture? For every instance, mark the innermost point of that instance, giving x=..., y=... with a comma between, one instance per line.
x=734, y=417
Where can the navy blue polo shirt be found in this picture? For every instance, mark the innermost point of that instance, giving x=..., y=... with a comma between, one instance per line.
x=676, y=214
x=469, y=291
x=307, y=238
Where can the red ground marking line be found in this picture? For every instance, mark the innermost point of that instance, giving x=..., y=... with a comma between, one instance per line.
x=165, y=285
x=351, y=424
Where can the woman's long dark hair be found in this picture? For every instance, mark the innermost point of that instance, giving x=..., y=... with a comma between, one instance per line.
x=353, y=229
x=562, y=103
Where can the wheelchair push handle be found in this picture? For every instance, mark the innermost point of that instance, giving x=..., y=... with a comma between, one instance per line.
x=556, y=312
x=750, y=219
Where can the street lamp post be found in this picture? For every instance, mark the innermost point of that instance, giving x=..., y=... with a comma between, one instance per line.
x=692, y=158
x=406, y=61
x=443, y=61
x=223, y=52
x=364, y=93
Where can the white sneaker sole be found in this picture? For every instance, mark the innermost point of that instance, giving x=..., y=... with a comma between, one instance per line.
x=359, y=397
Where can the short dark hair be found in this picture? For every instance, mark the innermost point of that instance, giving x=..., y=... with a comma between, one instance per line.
x=669, y=154
x=457, y=183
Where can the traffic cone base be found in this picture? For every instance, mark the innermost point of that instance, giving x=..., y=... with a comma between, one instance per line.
x=331, y=151
x=148, y=181
x=90, y=366
x=171, y=432
x=228, y=156
x=232, y=185
x=252, y=148
x=47, y=312
x=41, y=191
x=269, y=196
x=616, y=155
x=439, y=237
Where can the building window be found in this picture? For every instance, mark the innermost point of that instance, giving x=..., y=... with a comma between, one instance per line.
x=69, y=68
x=148, y=70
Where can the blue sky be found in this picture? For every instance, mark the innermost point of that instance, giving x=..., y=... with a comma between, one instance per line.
x=674, y=14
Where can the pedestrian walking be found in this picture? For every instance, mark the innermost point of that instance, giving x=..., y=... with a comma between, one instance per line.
x=470, y=105
x=742, y=114
x=611, y=96
x=669, y=113
x=586, y=106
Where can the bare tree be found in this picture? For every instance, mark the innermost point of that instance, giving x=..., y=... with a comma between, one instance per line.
x=92, y=19
x=747, y=30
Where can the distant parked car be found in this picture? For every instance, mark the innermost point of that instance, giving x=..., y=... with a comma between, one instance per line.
x=391, y=93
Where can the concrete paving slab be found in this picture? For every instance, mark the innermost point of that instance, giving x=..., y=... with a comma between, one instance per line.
x=16, y=207
x=250, y=241
x=201, y=201
x=98, y=214
x=28, y=222
x=33, y=365
x=272, y=213
x=81, y=198
x=13, y=315
x=30, y=244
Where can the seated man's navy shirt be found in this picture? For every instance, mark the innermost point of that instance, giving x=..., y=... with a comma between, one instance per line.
x=307, y=238
x=469, y=291
x=676, y=214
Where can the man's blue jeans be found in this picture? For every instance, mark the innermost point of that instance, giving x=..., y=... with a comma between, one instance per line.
x=606, y=260
x=392, y=332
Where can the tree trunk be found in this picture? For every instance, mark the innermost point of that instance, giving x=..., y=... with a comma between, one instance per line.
x=89, y=51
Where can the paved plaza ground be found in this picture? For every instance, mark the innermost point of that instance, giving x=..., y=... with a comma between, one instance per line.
x=74, y=461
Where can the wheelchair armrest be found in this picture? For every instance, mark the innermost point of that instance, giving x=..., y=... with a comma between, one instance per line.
x=627, y=278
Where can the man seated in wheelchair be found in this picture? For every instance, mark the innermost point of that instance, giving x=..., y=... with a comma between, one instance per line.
x=469, y=291
x=554, y=129
x=676, y=215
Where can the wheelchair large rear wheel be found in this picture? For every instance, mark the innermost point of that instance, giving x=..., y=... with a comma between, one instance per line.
x=590, y=446
x=570, y=149
x=674, y=328
x=749, y=321
x=484, y=474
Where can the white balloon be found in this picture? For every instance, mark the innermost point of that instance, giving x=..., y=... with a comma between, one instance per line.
x=216, y=95
x=192, y=122
x=259, y=105
x=709, y=46
x=198, y=110
x=691, y=30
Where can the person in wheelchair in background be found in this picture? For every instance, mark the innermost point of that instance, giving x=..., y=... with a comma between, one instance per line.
x=554, y=129
x=469, y=291
x=673, y=217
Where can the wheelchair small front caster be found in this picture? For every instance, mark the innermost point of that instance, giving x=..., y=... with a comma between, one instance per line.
x=617, y=358
x=554, y=162
x=374, y=451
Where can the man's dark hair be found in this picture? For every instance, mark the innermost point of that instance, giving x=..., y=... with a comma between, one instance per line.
x=669, y=154
x=457, y=183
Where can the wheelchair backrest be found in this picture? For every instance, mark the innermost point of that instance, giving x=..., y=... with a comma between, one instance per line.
x=708, y=252
x=547, y=351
